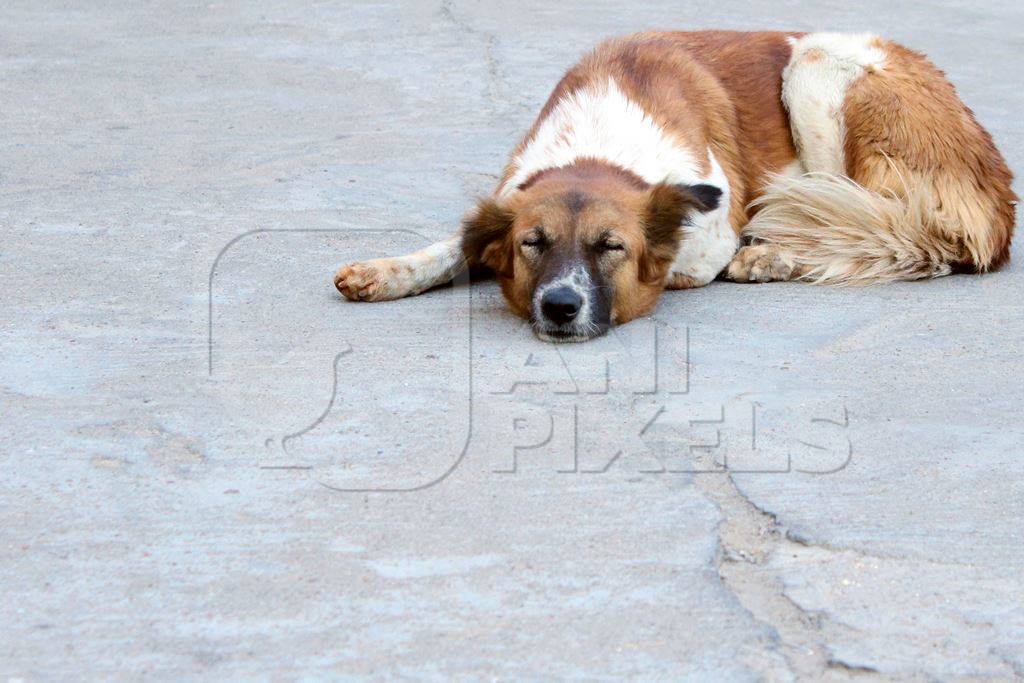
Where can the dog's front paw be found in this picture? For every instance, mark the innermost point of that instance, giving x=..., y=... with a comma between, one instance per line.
x=677, y=280
x=760, y=263
x=361, y=282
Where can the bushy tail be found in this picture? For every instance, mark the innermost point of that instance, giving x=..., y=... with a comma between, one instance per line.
x=839, y=232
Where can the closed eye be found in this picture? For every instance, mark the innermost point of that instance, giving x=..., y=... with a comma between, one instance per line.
x=610, y=245
x=534, y=240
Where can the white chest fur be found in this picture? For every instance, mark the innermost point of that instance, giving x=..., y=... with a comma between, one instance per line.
x=600, y=122
x=709, y=241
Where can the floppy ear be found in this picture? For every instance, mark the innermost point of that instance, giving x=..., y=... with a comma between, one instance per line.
x=668, y=207
x=486, y=233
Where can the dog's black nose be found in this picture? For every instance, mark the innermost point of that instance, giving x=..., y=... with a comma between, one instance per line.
x=561, y=305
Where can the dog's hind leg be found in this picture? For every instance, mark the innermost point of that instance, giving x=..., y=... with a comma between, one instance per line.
x=400, y=276
x=903, y=183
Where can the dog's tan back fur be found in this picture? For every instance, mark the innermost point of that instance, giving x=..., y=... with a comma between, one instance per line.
x=930, y=193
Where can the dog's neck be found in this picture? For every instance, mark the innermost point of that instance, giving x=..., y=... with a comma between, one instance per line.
x=599, y=122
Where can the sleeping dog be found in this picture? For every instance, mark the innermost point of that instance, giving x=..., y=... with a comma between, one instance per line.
x=664, y=160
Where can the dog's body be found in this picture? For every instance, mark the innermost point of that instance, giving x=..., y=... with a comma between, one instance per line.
x=839, y=158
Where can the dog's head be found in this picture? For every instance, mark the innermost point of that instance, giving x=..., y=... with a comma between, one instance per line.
x=576, y=250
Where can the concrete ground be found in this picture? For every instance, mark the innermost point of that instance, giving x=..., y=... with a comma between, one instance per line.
x=214, y=468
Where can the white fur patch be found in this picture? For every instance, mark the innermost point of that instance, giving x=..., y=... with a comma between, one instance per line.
x=814, y=84
x=793, y=169
x=438, y=263
x=709, y=241
x=600, y=122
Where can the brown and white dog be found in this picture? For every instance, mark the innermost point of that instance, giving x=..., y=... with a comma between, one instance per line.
x=834, y=158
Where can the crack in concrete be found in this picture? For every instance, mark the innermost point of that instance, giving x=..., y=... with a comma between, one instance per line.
x=498, y=85
x=1015, y=667
x=853, y=670
x=748, y=537
x=807, y=542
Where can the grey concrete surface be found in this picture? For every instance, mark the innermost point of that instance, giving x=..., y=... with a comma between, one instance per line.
x=420, y=489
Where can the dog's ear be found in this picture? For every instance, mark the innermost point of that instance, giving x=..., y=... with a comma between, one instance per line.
x=668, y=207
x=486, y=237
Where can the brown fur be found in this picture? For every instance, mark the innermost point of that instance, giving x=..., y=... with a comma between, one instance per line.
x=708, y=88
x=717, y=89
x=908, y=129
x=927, y=192
x=749, y=68
x=574, y=208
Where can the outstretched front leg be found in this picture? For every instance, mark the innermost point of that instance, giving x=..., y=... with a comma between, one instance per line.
x=396, y=277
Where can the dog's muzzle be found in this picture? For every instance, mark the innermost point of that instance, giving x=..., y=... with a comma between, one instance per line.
x=564, y=309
